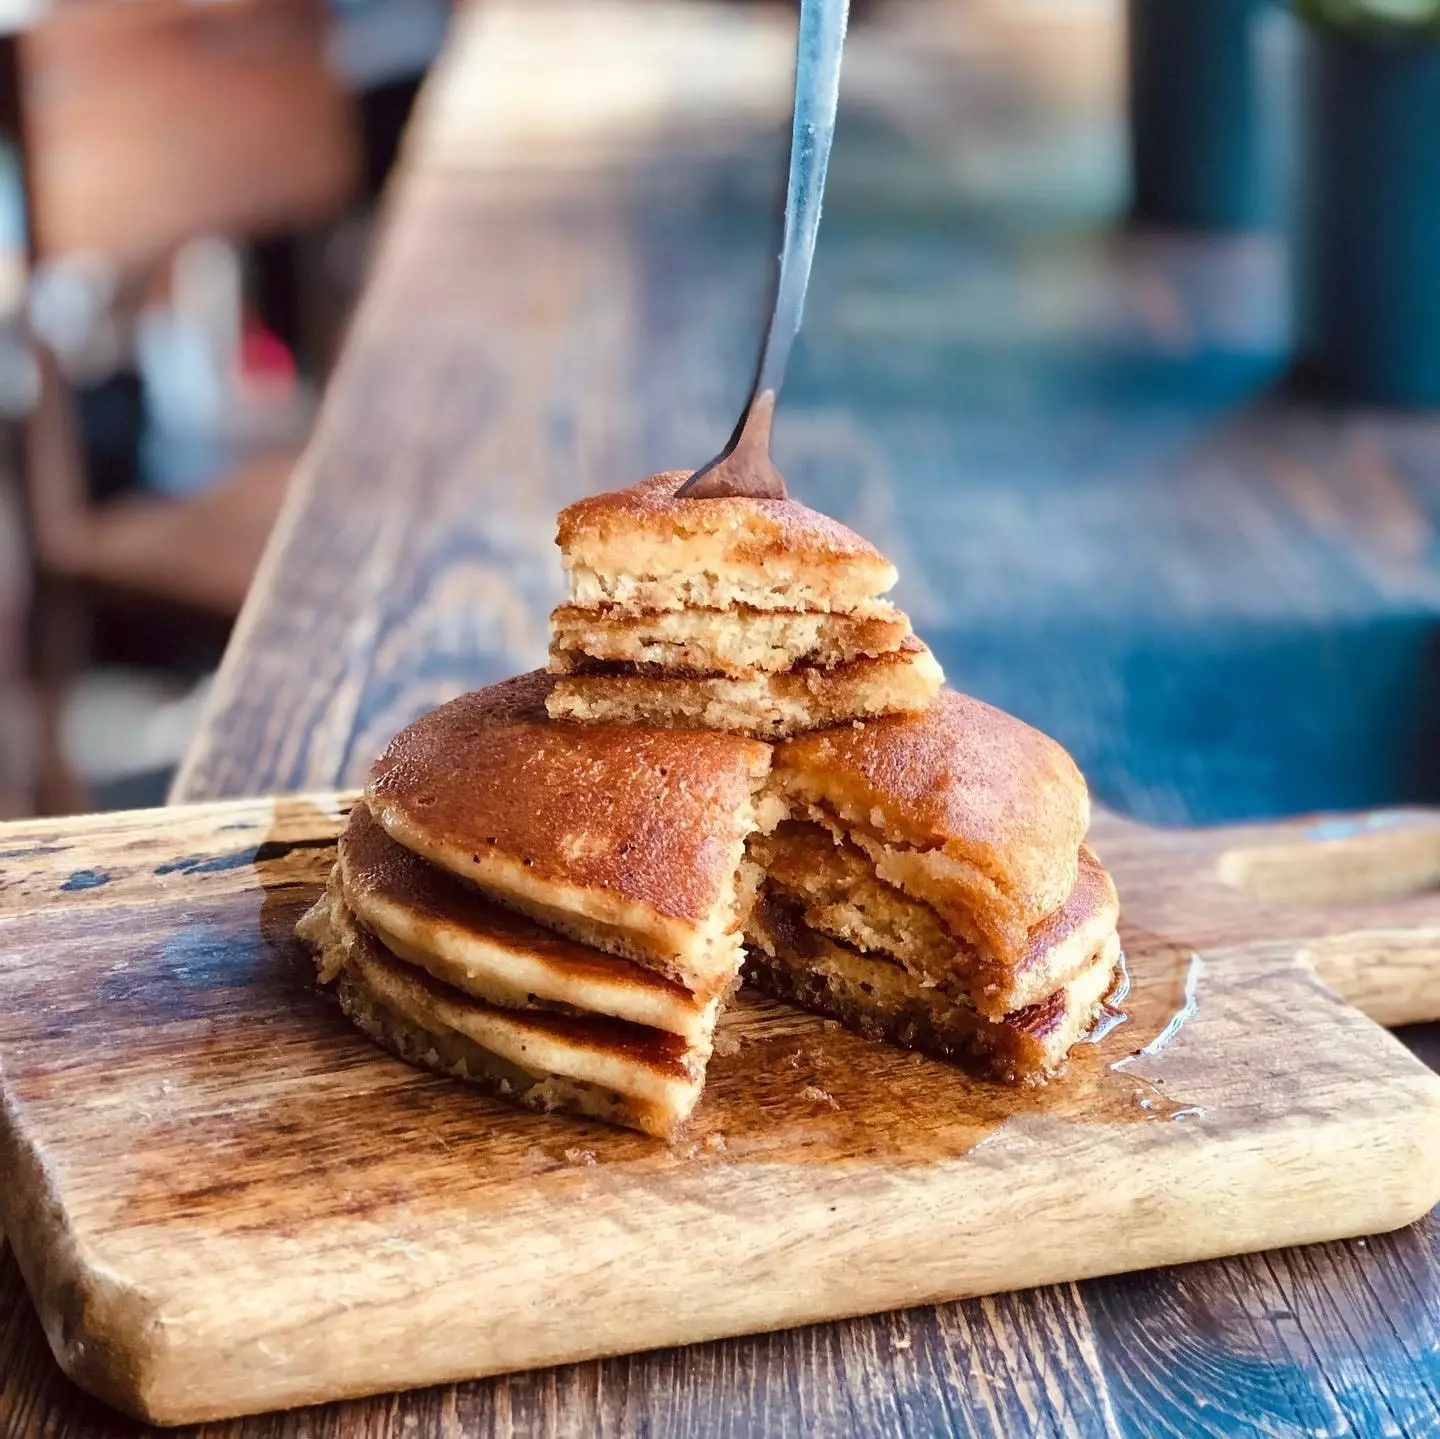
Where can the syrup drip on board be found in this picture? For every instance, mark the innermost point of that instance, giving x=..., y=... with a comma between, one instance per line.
x=1112, y=1016
x=828, y=1094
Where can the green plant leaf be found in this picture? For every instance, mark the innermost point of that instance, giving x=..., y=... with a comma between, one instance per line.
x=1379, y=19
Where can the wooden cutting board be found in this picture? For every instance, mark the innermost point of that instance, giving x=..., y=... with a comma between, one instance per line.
x=223, y=1199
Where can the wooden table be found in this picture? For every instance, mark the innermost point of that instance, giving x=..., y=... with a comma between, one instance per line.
x=1110, y=516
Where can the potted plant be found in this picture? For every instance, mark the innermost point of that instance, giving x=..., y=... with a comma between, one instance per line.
x=1367, y=214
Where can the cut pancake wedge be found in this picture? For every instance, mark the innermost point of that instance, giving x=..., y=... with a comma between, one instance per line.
x=962, y=807
x=930, y=886
x=629, y=840
x=843, y=897
x=758, y=617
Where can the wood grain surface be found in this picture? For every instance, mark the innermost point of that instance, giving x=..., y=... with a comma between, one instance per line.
x=1111, y=514
x=224, y=1200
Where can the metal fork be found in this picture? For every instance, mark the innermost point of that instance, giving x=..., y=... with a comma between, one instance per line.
x=744, y=466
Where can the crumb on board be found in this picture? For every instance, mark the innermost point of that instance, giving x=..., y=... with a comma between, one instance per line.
x=716, y=1140
x=816, y=1095
x=806, y=1059
x=580, y=1156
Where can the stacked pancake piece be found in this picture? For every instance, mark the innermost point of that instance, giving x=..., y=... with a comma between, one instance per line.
x=552, y=911
x=551, y=883
x=930, y=886
x=758, y=617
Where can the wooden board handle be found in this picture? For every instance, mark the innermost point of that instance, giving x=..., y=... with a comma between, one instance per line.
x=1358, y=894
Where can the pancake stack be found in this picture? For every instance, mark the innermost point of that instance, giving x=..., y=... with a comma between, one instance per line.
x=929, y=886
x=759, y=617
x=550, y=885
x=551, y=911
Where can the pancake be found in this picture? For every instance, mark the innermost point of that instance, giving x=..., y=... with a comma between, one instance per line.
x=834, y=884
x=758, y=617
x=640, y=549
x=589, y=1065
x=883, y=1001
x=769, y=706
x=738, y=642
x=429, y=918
x=628, y=840
x=962, y=807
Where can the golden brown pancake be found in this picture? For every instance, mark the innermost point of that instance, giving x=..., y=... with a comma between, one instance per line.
x=428, y=917
x=759, y=617
x=767, y=706
x=583, y=1064
x=840, y=896
x=629, y=840
x=641, y=549
x=740, y=642
x=963, y=807
x=884, y=1001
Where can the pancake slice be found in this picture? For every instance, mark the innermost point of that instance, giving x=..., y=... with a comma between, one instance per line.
x=882, y=1000
x=641, y=550
x=448, y=928
x=758, y=617
x=841, y=896
x=767, y=706
x=962, y=807
x=929, y=885
x=589, y=1065
x=738, y=642
x=627, y=840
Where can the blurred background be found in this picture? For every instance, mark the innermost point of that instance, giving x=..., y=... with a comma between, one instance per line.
x=1139, y=302
x=186, y=199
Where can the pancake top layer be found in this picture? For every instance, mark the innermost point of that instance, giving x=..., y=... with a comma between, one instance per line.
x=960, y=777
x=639, y=525
x=654, y=816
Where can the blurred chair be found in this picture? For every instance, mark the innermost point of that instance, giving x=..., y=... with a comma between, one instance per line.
x=142, y=126
x=150, y=122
